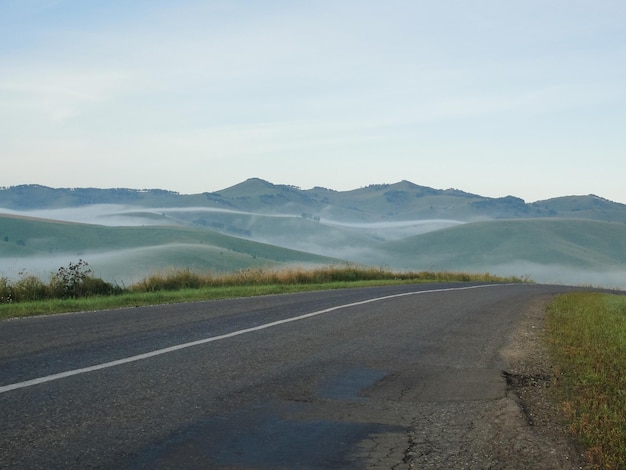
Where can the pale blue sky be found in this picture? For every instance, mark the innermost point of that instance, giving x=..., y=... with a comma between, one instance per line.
x=493, y=97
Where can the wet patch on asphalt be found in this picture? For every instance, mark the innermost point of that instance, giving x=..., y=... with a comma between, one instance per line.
x=280, y=433
x=263, y=437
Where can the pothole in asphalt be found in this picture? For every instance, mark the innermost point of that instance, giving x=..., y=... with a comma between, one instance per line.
x=524, y=380
x=521, y=384
x=348, y=385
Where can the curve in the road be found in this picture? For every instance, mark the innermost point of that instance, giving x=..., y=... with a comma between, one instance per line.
x=158, y=352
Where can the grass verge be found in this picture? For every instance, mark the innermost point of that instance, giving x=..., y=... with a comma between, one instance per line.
x=188, y=286
x=587, y=336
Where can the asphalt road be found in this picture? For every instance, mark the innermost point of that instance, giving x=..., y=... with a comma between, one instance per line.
x=356, y=378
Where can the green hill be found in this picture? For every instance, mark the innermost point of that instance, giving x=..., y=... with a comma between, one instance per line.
x=590, y=207
x=571, y=245
x=125, y=253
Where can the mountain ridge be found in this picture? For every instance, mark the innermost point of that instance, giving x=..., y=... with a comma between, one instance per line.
x=403, y=200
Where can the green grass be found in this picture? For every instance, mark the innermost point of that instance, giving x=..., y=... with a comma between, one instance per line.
x=587, y=335
x=187, y=286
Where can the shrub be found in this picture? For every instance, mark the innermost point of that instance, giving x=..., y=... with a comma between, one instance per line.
x=76, y=281
x=68, y=282
x=30, y=288
x=6, y=291
x=96, y=286
x=172, y=280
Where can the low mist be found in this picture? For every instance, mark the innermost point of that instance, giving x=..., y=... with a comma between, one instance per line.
x=609, y=278
x=356, y=242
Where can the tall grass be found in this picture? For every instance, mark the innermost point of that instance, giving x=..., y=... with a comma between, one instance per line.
x=177, y=279
x=73, y=288
x=587, y=335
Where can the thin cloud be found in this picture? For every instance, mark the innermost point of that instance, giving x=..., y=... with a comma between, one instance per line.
x=154, y=87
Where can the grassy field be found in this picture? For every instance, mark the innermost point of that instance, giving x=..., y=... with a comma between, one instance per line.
x=587, y=335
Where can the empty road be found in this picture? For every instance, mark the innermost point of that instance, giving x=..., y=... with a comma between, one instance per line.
x=389, y=377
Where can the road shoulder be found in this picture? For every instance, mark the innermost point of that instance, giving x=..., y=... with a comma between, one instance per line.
x=530, y=376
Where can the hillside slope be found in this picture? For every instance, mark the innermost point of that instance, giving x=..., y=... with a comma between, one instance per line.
x=130, y=253
x=547, y=250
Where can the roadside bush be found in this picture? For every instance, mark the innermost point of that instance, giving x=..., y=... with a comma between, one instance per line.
x=173, y=280
x=30, y=288
x=6, y=291
x=68, y=282
x=75, y=281
x=25, y=289
x=96, y=286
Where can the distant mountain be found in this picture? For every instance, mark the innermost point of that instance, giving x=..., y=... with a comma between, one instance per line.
x=590, y=207
x=34, y=196
x=378, y=202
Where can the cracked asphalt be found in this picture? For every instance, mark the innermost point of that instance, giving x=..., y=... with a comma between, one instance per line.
x=425, y=380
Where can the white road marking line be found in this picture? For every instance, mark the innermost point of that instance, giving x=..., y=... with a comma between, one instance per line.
x=158, y=352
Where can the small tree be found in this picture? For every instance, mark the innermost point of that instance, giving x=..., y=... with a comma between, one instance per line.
x=70, y=282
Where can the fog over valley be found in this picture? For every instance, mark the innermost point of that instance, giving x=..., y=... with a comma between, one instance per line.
x=571, y=240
